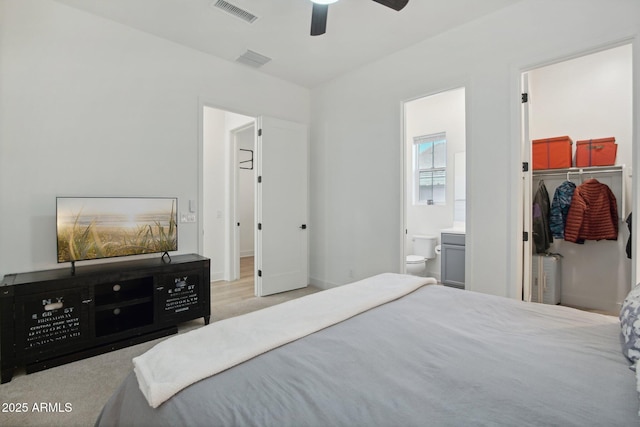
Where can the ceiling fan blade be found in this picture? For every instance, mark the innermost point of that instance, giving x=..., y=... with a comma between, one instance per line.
x=319, y=19
x=393, y=4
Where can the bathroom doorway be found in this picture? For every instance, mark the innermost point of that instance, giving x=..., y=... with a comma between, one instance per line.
x=434, y=184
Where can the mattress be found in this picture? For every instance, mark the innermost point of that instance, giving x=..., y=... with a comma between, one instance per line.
x=438, y=356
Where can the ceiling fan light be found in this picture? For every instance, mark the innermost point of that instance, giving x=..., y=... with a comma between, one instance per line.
x=324, y=1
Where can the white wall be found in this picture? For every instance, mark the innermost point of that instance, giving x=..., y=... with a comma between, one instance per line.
x=442, y=112
x=356, y=128
x=215, y=182
x=89, y=107
x=589, y=97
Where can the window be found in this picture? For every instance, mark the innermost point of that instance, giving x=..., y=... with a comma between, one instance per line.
x=430, y=160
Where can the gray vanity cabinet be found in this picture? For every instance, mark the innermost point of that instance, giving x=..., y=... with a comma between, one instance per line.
x=452, y=258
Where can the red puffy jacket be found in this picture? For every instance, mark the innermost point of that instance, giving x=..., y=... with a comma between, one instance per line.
x=593, y=214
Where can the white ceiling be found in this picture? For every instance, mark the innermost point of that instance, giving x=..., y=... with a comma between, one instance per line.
x=358, y=31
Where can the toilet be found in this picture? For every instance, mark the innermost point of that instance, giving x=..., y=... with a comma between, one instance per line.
x=424, y=249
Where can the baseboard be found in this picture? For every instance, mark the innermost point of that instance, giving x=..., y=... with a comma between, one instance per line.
x=217, y=276
x=322, y=284
x=578, y=300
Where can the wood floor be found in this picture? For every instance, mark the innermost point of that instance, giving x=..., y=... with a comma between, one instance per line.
x=231, y=292
x=241, y=291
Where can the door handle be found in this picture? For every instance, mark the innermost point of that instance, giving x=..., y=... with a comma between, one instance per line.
x=303, y=226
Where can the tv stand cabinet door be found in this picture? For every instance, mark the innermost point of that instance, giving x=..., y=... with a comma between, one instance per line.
x=182, y=296
x=7, y=331
x=52, y=323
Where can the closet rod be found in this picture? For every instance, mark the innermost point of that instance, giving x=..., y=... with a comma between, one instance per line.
x=578, y=171
x=591, y=171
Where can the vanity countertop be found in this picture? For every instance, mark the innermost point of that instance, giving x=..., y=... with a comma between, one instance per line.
x=454, y=230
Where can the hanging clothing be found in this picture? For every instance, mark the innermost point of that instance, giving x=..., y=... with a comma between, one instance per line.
x=629, y=239
x=542, y=237
x=593, y=214
x=560, y=208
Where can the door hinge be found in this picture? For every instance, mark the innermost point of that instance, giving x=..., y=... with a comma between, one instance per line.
x=525, y=166
x=525, y=98
x=259, y=273
x=525, y=236
x=259, y=132
x=259, y=226
x=259, y=179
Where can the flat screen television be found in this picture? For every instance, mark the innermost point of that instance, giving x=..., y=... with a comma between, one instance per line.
x=104, y=227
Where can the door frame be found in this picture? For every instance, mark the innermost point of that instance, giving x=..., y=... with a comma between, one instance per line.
x=229, y=219
x=524, y=155
x=404, y=167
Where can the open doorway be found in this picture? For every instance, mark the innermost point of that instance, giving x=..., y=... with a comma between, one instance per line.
x=434, y=191
x=228, y=146
x=277, y=171
x=585, y=98
x=242, y=189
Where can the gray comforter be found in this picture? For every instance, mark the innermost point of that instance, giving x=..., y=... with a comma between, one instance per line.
x=437, y=357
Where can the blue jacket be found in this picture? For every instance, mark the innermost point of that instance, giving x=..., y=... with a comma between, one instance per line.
x=560, y=208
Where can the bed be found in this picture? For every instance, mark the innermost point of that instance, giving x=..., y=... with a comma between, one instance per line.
x=436, y=356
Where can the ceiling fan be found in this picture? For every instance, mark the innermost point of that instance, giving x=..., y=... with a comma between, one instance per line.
x=321, y=7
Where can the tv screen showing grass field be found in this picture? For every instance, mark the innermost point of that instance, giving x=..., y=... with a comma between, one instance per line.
x=104, y=227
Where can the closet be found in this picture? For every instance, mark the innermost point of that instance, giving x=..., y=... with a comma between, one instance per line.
x=585, y=98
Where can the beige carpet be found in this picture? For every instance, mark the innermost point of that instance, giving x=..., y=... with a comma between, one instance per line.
x=73, y=394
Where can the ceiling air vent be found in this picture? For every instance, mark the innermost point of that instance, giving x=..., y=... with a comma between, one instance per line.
x=235, y=11
x=253, y=59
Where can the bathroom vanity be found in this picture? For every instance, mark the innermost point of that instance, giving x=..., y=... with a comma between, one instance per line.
x=452, y=257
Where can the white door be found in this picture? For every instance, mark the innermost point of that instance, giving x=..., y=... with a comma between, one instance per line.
x=281, y=261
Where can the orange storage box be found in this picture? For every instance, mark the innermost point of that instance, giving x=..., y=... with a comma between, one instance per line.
x=596, y=152
x=551, y=153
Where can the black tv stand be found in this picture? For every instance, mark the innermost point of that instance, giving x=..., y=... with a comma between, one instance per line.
x=52, y=317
